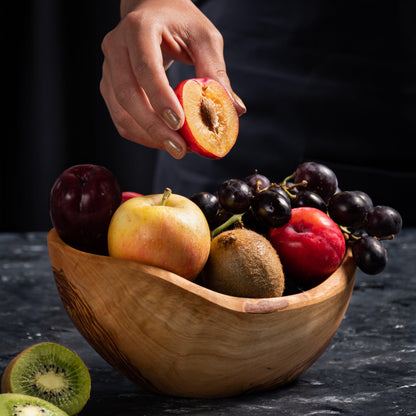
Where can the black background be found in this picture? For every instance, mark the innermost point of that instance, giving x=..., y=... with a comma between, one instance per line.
x=55, y=116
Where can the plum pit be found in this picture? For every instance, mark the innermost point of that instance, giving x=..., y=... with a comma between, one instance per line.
x=209, y=114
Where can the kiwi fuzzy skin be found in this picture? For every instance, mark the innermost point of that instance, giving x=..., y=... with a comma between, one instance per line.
x=5, y=381
x=243, y=263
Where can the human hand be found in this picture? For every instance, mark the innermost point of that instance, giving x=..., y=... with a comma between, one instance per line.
x=137, y=52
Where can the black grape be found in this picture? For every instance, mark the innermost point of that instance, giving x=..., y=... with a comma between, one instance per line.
x=305, y=198
x=208, y=203
x=347, y=208
x=235, y=196
x=257, y=182
x=370, y=255
x=271, y=209
x=383, y=221
x=320, y=178
x=368, y=202
x=279, y=190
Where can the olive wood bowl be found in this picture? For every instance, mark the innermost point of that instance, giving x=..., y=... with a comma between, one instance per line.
x=175, y=337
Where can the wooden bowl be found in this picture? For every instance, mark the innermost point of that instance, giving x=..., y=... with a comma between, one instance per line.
x=175, y=337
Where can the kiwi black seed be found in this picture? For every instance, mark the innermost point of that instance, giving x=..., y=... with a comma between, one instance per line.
x=51, y=372
x=243, y=263
x=13, y=404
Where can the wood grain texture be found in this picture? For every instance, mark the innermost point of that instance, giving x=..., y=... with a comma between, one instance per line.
x=175, y=337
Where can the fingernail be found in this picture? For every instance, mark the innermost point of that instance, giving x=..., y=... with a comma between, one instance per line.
x=172, y=119
x=239, y=103
x=174, y=149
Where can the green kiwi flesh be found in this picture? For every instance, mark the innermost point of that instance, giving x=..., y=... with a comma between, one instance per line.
x=243, y=263
x=51, y=372
x=12, y=404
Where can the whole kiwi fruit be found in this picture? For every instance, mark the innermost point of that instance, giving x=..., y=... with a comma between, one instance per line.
x=243, y=263
x=51, y=372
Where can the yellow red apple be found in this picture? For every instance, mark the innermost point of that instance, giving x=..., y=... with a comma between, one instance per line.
x=211, y=120
x=164, y=230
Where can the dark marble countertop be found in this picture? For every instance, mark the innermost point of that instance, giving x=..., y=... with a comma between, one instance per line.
x=368, y=369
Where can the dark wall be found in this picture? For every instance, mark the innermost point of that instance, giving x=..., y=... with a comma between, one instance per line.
x=54, y=114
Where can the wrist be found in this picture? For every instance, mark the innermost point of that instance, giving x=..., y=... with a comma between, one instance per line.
x=126, y=6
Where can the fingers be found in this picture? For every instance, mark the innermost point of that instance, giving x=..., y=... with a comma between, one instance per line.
x=131, y=111
x=134, y=85
x=209, y=62
x=148, y=66
x=156, y=135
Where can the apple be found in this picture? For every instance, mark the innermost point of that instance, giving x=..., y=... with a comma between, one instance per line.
x=311, y=246
x=164, y=230
x=211, y=120
x=82, y=202
x=126, y=195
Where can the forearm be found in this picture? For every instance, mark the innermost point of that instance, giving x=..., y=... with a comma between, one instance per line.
x=126, y=6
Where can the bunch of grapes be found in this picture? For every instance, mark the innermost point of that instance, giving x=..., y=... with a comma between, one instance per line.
x=262, y=204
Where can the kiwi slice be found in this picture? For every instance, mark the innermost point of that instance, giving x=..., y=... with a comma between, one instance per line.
x=51, y=372
x=13, y=404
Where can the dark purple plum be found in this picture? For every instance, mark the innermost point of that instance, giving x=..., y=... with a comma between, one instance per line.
x=82, y=202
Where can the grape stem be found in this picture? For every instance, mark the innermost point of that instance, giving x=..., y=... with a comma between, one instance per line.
x=226, y=224
x=283, y=187
x=286, y=188
x=288, y=178
x=387, y=237
x=352, y=237
x=348, y=233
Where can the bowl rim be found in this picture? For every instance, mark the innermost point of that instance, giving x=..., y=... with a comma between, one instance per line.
x=342, y=279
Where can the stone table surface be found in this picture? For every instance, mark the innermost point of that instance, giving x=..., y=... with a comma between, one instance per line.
x=368, y=369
